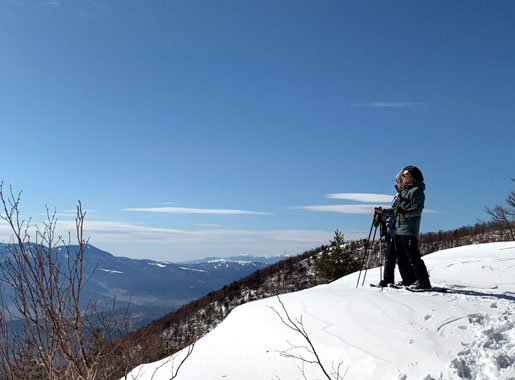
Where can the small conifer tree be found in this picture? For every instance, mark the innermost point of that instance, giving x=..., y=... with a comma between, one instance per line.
x=337, y=260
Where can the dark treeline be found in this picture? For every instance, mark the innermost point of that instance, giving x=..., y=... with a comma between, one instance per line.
x=481, y=232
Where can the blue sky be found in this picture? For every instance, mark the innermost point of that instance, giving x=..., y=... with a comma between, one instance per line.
x=200, y=128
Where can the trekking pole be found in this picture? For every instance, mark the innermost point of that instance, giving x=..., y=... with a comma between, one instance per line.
x=368, y=260
x=382, y=241
x=381, y=258
x=364, y=253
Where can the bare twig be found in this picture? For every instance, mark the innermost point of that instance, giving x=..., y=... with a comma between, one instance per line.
x=56, y=337
x=170, y=361
x=504, y=216
x=311, y=355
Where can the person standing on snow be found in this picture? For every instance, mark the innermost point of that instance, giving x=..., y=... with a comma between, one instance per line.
x=406, y=271
x=407, y=225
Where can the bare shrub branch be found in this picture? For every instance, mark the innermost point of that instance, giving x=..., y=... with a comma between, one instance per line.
x=47, y=330
x=504, y=217
x=310, y=355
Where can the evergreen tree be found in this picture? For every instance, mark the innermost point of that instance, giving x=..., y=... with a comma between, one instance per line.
x=337, y=261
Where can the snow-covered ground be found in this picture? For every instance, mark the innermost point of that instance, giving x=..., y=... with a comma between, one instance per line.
x=467, y=333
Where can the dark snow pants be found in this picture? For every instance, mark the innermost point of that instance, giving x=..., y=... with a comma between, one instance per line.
x=389, y=261
x=409, y=259
x=405, y=269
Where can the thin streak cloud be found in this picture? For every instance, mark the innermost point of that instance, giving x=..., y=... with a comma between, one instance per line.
x=344, y=209
x=185, y=210
x=362, y=197
x=114, y=231
x=352, y=209
x=391, y=104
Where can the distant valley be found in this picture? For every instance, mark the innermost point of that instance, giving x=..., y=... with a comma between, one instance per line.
x=154, y=288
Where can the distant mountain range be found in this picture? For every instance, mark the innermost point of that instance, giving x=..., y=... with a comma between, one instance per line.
x=154, y=288
x=242, y=258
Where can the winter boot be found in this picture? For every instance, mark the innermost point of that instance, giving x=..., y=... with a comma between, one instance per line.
x=383, y=283
x=420, y=285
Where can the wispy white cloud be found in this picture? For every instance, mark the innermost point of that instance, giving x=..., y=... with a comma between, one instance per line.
x=352, y=209
x=390, y=104
x=362, y=197
x=427, y=210
x=59, y=214
x=185, y=210
x=344, y=209
x=371, y=200
x=116, y=231
x=67, y=213
x=134, y=240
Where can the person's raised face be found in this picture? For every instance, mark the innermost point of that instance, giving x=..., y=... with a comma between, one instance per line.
x=406, y=177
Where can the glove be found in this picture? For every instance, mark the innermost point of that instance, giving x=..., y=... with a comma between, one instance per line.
x=398, y=210
x=378, y=216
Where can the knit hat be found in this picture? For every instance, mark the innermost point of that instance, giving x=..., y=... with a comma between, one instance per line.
x=415, y=172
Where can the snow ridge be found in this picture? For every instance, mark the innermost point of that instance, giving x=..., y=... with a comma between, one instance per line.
x=466, y=333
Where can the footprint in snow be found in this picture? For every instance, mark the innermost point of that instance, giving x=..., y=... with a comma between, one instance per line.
x=476, y=318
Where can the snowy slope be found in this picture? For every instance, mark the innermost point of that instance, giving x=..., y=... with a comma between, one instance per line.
x=376, y=334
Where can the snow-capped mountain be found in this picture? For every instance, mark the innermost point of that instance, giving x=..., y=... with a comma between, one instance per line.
x=153, y=288
x=241, y=258
x=369, y=333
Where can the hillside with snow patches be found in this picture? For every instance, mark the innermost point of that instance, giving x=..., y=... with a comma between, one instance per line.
x=466, y=333
x=149, y=288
